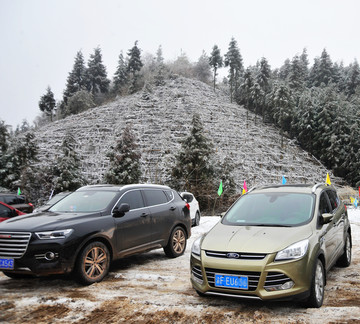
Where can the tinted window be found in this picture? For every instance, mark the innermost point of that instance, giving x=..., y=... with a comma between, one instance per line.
x=324, y=206
x=12, y=200
x=188, y=197
x=169, y=194
x=4, y=211
x=334, y=200
x=133, y=198
x=155, y=197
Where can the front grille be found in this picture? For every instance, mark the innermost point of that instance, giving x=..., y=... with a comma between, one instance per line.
x=14, y=244
x=236, y=255
x=275, y=279
x=253, y=277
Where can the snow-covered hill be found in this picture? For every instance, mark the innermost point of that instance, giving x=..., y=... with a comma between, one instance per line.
x=161, y=117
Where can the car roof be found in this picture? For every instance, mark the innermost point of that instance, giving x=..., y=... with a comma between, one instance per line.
x=296, y=188
x=109, y=187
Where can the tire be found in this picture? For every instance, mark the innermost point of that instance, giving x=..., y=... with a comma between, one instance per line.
x=197, y=219
x=345, y=258
x=177, y=243
x=93, y=263
x=317, y=288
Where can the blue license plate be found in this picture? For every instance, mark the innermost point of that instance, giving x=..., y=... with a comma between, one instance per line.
x=6, y=263
x=236, y=282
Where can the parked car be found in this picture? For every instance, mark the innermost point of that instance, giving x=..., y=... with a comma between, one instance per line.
x=275, y=242
x=19, y=202
x=92, y=226
x=194, y=207
x=7, y=211
x=52, y=201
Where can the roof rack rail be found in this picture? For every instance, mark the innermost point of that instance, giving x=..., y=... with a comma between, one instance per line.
x=316, y=186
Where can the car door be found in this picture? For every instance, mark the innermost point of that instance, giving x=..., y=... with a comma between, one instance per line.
x=339, y=219
x=133, y=229
x=163, y=211
x=329, y=230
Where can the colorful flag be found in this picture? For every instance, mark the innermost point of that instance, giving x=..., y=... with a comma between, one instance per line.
x=354, y=201
x=19, y=191
x=244, y=188
x=328, y=182
x=283, y=180
x=220, y=190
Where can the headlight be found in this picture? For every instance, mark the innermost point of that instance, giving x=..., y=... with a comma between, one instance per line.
x=54, y=234
x=294, y=251
x=196, y=247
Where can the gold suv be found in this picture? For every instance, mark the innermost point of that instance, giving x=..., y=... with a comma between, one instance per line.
x=275, y=242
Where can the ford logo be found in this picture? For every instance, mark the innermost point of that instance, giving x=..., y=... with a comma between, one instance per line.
x=233, y=255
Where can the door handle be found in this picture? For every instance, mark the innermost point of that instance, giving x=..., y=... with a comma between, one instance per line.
x=172, y=208
x=144, y=214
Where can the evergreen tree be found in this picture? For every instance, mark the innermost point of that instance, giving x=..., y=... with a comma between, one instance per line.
x=202, y=68
x=47, y=103
x=233, y=60
x=121, y=75
x=134, y=66
x=67, y=170
x=22, y=152
x=215, y=61
x=160, y=68
x=353, y=78
x=194, y=170
x=322, y=70
x=96, y=75
x=263, y=80
x=284, y=70
x=124, y=160
x=76, y=80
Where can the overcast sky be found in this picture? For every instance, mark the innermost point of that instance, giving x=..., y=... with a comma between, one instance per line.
x=40, y=38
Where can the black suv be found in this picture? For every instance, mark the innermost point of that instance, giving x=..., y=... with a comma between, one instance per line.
x=92, y=226
x=19, y=202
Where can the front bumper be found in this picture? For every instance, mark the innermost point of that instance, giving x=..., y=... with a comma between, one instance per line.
x=267, y=280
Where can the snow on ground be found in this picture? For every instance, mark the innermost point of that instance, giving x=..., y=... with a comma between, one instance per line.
x=150, y=288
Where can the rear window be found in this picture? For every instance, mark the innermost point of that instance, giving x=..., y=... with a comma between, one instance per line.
x=13, y=200
x=271, y=209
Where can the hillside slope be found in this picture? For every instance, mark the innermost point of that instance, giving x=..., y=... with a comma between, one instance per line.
x=161, y=117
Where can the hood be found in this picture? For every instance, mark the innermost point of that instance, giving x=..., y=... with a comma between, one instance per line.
x=44, y=221
x=253, y=239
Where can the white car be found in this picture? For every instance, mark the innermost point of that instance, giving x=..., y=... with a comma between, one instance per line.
x=194, y=207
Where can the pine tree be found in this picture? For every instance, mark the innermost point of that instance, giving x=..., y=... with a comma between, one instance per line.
x=76, y=80
x=194, y=170
x=22, y=152
x=67, y=170
x=202, y=68
x=215, y=61
x=96, y=75
x=263, y=80
x=124, y=160
x=233, y=60
x=134, y=66
x=160, y=68
x=47, y=103
x=121, y=75
x=353, y=78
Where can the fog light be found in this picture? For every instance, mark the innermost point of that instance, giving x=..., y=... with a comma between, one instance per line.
x=284, y=286
x=49, y=256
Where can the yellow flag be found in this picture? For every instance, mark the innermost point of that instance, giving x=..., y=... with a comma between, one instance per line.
x=352, y=200
x=328, y=182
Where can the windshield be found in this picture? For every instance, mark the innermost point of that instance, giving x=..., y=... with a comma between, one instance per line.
x=84, y=201
x=271, y=209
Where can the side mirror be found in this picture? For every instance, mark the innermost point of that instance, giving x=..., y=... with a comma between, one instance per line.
x=121, y=210
x=326, y=218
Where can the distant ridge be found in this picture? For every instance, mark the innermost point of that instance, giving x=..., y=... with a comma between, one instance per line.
x=161, y=117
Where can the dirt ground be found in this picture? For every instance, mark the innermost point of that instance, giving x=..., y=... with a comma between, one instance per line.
x=150, y=288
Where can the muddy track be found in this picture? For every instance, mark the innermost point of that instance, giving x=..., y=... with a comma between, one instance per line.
x=151, y=288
